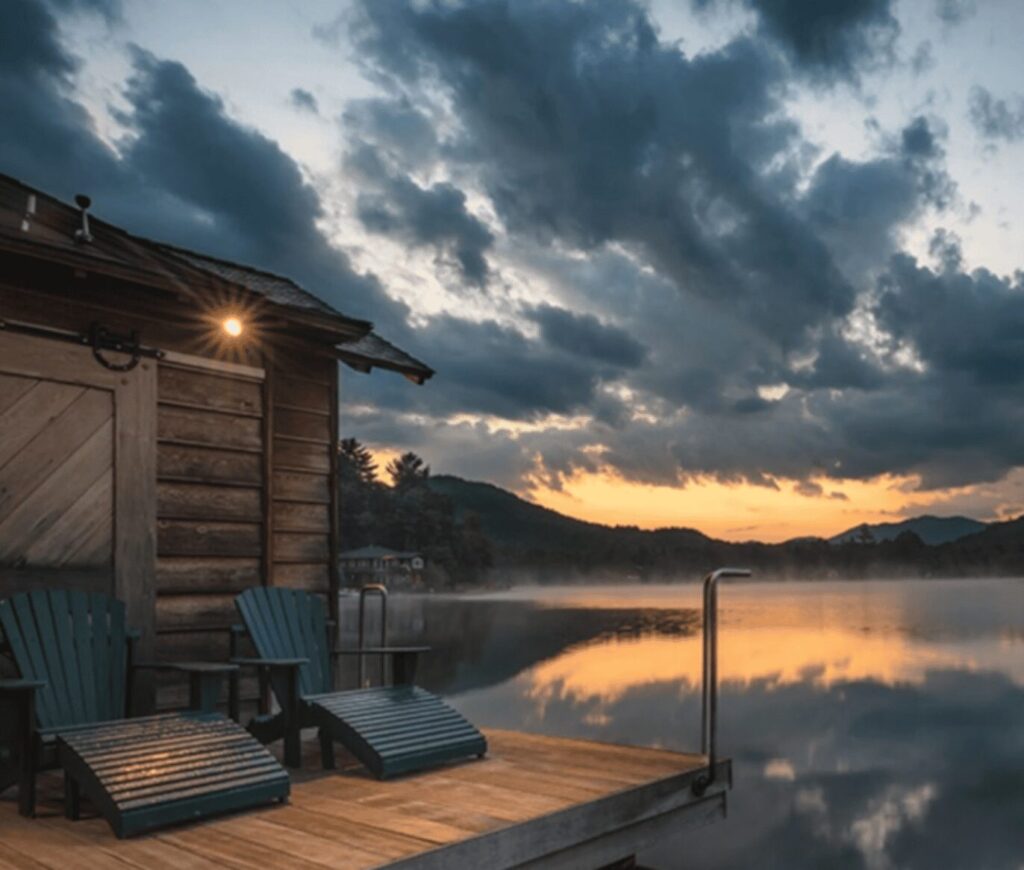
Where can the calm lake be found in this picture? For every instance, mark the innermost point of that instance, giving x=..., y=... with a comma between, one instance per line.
x=871, y=724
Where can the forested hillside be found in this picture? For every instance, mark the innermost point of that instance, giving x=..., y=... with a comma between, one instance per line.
x=474, y=534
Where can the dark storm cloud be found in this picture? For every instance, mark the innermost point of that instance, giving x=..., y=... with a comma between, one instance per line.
x=994, y=118
x=395, y=127
x=586, y=336
x=716, y=256
x=46, y=138
x=495, y=369
x=248, y=196
x=434, y=216
x=303, y=100
x=858, y=207
x=616, y=138
x=185, y=173
x=584, y=127
x=969, y=325
x=831, y=40
x=189, y=174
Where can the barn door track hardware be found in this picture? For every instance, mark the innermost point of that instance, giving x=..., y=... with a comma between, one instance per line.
x=102, y=341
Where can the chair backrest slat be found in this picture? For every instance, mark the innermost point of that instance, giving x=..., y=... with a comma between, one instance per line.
x=289, y=623
x=60, y=612
x=75, y=643
x=24, y=644
x=83, y=653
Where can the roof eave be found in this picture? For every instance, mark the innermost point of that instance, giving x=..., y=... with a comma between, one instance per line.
x=419, y=375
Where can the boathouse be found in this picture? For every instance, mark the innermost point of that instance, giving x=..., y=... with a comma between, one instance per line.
x=168, y=423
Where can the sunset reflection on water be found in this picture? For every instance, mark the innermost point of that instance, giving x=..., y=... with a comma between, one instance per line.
x=871, y=724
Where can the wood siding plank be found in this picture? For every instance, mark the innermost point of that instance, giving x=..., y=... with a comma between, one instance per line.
x=301, y=486
x=299, y=455
x=201, y=427
x=312, y=576
x=299, y=393
x=299, y=517
x=201, y=501
x=293, y=547
x=201, y=574
x=204, y=465
x=200, y=538
x=299, y=424
x=203, y=389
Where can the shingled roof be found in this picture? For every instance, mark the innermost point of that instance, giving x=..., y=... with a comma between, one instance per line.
x=37, y=224
x=363, y=354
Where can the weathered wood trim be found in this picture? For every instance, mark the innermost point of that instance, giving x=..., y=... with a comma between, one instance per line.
x=299, y=439
x=195, y=406
x=284, y=406
x=268, y=478
x=186, y=478
x=52, y=360
x=603, y=851
x=623, y=816
x=334, y=572
x=135, y=503
x=204, y=445
x=227, y=369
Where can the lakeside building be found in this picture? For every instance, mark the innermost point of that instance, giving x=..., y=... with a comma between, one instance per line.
x=395, y=569
x=169, y=423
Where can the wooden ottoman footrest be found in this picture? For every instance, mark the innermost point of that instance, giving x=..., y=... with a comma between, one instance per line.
x=159, y=770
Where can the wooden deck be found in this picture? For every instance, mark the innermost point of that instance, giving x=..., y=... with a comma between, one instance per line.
x=534, y=799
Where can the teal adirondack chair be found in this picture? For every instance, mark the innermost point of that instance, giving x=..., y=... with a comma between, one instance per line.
x=74, y=654
x=391, y=729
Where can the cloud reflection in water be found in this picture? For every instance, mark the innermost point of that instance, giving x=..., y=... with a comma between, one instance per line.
x=871, y=725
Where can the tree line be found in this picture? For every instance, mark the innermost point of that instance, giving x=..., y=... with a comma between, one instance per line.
x=404, y=513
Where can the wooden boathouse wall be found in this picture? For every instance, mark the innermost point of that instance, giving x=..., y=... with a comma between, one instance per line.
x=239, y=485
x=245, y=493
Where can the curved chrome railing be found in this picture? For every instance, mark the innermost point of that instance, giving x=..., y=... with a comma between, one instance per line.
x=709, y=676
x=367, y=590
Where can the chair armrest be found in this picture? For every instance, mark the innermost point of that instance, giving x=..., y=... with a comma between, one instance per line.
x=188, y=667
x=403, y=661
x=270, y=663
x=20, y=687
x=203, y=680
x=382, y=650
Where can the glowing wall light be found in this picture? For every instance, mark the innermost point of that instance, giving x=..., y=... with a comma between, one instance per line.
x=232, y=326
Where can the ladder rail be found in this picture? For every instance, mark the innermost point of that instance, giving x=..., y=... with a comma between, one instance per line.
x=709, y=674
x=365, y=592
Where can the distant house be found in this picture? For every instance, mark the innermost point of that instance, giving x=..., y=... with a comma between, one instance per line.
x=374, y=564
x=169, y=422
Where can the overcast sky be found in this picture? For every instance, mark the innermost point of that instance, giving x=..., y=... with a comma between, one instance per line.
x=745, y=265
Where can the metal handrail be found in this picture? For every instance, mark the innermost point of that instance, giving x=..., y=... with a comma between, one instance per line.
x=364, y=593
x=709, y=674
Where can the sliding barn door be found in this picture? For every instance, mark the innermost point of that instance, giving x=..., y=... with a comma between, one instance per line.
x=57, y=481
x=77, y=473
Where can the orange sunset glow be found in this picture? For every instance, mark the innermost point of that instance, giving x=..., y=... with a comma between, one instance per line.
x=732, y=512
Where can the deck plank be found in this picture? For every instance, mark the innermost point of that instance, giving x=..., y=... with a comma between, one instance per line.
x=529, y=786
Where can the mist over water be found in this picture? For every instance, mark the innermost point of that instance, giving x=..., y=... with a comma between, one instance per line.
x=871, y=724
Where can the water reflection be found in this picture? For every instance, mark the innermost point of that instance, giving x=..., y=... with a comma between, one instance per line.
x=871, y=725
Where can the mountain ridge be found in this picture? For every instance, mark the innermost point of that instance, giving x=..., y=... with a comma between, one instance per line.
x=470, y=495
x=532, y=542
